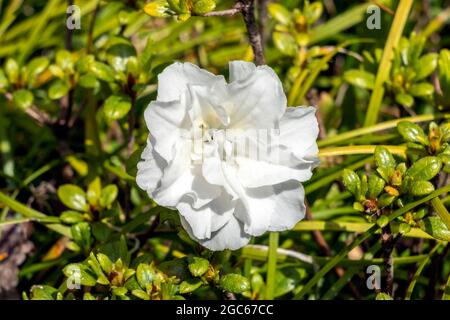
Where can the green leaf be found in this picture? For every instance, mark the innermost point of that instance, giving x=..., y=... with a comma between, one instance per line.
x=376, y=186
x=94, y=191
x=105, y=263
x=352, y=182
x=12, y=70
x=79, y=272
x=102, y=71
x=312, y=11
x=58, y=89
x=4, y=83
x=95, y=266
x=71, y=217
x=108, y=195
x=425, y=66
x=360, y=78
x=382, y=221
x=198, y=266
x=116, y=107
x=35, y=67
x=234, y=283
x=101, y=231
x=190, y=285
x=141, y=294
x=425, y=168
x=385, y=161
x=43, y=292
x=285, y=43
x=421, y=188
x=145, y=274
x=436, y=228
x=404, y=99
x=88, y=81
x=119, y=291
x=23, y=99
x=279, y=13
x=421, y=89
x=412, y=132
x=203, y=6
x=385, y=200
x=73, y=197
x=383, y=296
x=64, y=59
x=81, y=234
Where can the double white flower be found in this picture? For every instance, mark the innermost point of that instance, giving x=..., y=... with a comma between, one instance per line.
x=228, y=156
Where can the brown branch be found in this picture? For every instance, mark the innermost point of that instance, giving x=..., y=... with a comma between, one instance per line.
x=248, y=12
x=237, y=8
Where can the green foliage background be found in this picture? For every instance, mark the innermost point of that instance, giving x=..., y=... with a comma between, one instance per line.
x=72, y=131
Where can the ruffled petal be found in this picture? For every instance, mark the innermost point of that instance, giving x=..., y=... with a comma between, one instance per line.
x=257, y=101
x=166, y=122
x=231, y=236
x=240, y=70
x=173, y=81
x=289, y=199
x=150, y=169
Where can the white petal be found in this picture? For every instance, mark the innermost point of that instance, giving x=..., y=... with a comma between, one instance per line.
x=165, y=121
x=231, y=236
x=290, y=207
x=150, y=169
x=299, y=130
x=209, y=218
x=173, y=81
x=257, y=101
x=180, y=180
x=240, y=70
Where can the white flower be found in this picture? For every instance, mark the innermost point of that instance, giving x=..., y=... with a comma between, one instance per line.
x=228, y=156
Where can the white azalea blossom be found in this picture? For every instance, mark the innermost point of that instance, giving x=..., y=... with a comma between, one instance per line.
x=230, y=157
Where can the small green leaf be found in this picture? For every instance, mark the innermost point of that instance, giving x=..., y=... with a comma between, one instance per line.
x=102, y=71
x=58, y=89
x=279, y=13
x=383, y=296
x=94, y=191
x=71, y=217
x=411, y=132
x=404, y=99
x=382, y=221
x=80, y=273
x=385, y=200
x=360, y=78
x=376, y=186
x=352, y=182
x=116, y=107
x=88, y=81
x=35, y=67
x=285, y=43
x=119, y=291
x=73, y=197
x=105, y=263
x=203, y=6
x=404, y=228
x=234, y=283
x=421, y=188
x=12, y=70
x=108, y=195
x=425, y=168
x=23, y=99
x=385, y=161
x=421, y=89
x=43, y=292
x=190, y=285
x=141, y=294
x=198, y=266
x=436, y=228
x=145, y=275
x=81, y=234
x=425, y=66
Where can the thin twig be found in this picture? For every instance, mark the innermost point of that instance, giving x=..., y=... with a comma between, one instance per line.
x=248, y=12
x=237, y=8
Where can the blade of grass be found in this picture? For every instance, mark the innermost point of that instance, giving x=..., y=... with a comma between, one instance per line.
x=368, y=149
x=384, y=68
x=378, y=127
x=419, y=270
x=361, y=238
x=442, y=211
x=271, y=265
x=446, y=294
